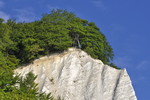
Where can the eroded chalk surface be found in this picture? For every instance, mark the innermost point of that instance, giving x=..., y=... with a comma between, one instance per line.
x=74, y=75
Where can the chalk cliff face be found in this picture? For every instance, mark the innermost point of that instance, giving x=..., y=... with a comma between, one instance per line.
x=74, y=75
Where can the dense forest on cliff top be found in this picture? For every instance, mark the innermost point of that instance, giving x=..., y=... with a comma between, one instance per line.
x=22, y=42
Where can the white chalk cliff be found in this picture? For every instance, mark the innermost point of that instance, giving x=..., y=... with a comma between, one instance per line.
x=74, y=75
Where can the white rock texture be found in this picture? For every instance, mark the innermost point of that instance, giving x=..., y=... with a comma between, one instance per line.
x=74, y=75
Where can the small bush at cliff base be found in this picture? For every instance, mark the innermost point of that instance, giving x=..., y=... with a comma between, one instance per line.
x=26, y=89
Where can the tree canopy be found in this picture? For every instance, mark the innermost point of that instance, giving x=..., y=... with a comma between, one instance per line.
x=56, y=32
x=76, y=32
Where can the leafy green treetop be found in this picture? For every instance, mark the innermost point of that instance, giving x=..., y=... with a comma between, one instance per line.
x=83, y=34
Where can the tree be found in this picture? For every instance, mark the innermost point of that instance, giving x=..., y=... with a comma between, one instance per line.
x=1, y=20
x=56, y=32
x=26, y=88
x=85, y=35
x=6, y=79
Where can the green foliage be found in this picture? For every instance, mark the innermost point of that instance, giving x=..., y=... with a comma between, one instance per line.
x=28, y=88
x=114, y=66
x=6, y=79
x=54, y=32
x=13, y=96
x=83, y=34
x=27, y=85
x=1, y=20
x=15, y=88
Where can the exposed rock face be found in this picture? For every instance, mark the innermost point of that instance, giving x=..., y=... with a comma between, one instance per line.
x=74, y=75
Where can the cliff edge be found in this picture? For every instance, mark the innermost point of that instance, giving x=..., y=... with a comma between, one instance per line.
x=74, y=75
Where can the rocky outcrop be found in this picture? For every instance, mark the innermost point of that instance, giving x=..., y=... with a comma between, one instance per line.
x=74, y=75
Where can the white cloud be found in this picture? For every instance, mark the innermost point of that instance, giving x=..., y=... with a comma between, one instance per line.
x=4, y=15
x=50, y=7
x=139, y=79
x=123, y=62
x=128, y=62
x=26, y=15
x=1, y=4
x=99, y=4
x=117, y=28
x=143, y=65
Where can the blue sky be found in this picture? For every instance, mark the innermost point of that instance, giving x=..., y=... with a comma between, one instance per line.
x=125, y=23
